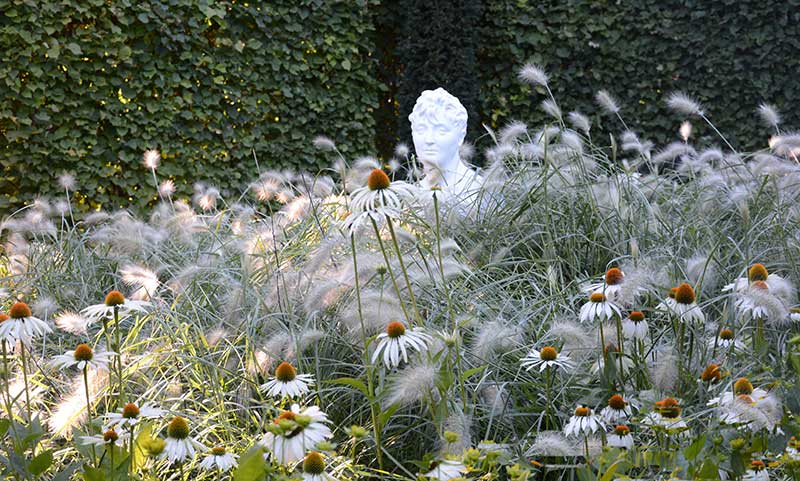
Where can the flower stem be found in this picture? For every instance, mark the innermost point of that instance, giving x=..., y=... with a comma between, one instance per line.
x=25, y=379
x=118, y=350
x=88, y=408
x=388, y=268
x=405, y=273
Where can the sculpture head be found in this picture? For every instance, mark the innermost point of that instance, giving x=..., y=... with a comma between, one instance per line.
x=438, y=126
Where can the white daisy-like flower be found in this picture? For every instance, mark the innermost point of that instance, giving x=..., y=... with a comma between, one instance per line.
x=130, y=414
x=610, y=285
x=666, y=416
x=757, y=302
x=397, y=341
x=793, y=449
x=287, y=383
x=179, y=445
x=598, y=308
x=114, y=300
x=314, y=468
x=548, y=356
x=22, y=326
x=294, y=432
x=621, y=437
x=726, y=340
x=754, y=409
x=635, y=326
x=83, y=356
x=794, y=314
x=446, y=470
x=379, y=199
x=685, y=306
x=757, y=471
x=616, y=411
x=583, y=422
x=219, y=458
x=105, y=439
x=779, y=286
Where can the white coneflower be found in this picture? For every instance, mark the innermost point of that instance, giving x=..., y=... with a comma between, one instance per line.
x=635, y=326
x=130, y=414
x=794, y=314
x=548, y=356
x=583, y=422
x=166, y=188
x=378, y=199
x=711, y=373
x=314, y=468
x=621, y=437
x=606, y=102
x=533, y=74
x=685, y=130
x=685, y=305
x=446, y=470
x=219, y=458
x=151, y=159
x=105, y=439
x=294, y=432
x=114, y=300
x=287, y=383
x=610, y=285
x=579, y=122
x=778, y=286
x=757, y=471
x=324, y=143
x=179, y=445
x=22, y=326
x=598, y=308
x=551, y=108
x=667, y=415
x=66, y=181
x=757, y=302
x=793, y=449
x=683, y=104
x=397, y=341
x=769, y=115
x=83, y=356
x=616, y=411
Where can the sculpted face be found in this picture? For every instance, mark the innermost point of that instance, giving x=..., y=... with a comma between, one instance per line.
x=437, y=143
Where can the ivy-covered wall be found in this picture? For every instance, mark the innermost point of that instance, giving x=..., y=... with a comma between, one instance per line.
x=731, y=55
x=87, y=86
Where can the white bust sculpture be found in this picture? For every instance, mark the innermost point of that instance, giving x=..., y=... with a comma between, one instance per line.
x=438, y=126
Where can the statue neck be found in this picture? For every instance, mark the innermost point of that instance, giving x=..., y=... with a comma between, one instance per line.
x=452, y=176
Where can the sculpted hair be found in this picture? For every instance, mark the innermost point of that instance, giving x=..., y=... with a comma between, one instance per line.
x=441, y=106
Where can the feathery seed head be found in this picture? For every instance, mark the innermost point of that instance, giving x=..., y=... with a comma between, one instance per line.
x=314, y=463
x=743, y=386
x=378, y=180
x=114, y=298
x=533, y=74
x=285, y=372
x=614, y=276
x=606, y=102
x=395, y=329
x=684, y=294
x=757, y=272
x=769, y=115
x=20, y=310
x=151, y=159
x=548, y=353
x=178, y=428
x=83, y=353
x=683, y=104
x=324, y=143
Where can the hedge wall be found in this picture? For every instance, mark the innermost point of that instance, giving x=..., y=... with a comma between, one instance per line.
x=89, y=85
x=730, y=54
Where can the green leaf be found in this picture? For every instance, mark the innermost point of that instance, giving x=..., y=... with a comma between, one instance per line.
x=93, y=474
x=352, y=382
x=710, y=470
x=251, y=466
x=40, y=463
x=384, y=416
x=470, y=372
x=125, y=52
x=74, y=48
x=694, y=449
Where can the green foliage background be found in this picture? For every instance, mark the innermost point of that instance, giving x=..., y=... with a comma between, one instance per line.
x=88, y=85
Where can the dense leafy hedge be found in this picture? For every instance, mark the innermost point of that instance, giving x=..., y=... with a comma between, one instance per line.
x=729, y=54
x=88, y=85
